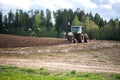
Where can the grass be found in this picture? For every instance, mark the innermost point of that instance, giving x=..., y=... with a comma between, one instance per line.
x=96, y=56
x=16, y=73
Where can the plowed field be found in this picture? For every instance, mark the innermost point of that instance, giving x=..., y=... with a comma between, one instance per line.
x=21, y=41
x=60, y=55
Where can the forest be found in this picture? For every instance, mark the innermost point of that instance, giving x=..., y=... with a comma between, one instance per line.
x=40, y=23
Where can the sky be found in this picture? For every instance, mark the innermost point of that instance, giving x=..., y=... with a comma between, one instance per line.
x=106, y=8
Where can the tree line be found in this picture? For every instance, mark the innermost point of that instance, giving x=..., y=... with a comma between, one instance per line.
x=53, y=24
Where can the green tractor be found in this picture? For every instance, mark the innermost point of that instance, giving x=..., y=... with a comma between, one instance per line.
x=76, y=35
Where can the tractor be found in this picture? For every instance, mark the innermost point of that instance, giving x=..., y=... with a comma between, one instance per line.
x=76, y=35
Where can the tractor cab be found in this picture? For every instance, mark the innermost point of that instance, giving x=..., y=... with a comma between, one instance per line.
x=76, y=29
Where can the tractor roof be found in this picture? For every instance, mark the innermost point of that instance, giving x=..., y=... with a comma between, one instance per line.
x=77, y=26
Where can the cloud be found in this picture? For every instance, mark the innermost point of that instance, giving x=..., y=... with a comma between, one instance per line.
x=85, y=3
x=99, y=2
x=35, y=4
x=116, y=7
x=53, y=4
x=15, y=4
x=114, y=1
x=106, y=8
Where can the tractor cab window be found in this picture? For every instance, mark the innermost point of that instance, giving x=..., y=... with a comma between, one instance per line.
x=75, y=29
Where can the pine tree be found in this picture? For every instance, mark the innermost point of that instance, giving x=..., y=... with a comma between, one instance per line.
x=10, y=18
x=36, y=22
x=1, y=24
x=48, y=20
x=76, y=22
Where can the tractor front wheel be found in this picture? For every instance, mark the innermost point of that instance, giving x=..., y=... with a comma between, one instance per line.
x=86, y=38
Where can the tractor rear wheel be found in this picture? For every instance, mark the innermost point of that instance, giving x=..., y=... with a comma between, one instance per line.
x=82, y=38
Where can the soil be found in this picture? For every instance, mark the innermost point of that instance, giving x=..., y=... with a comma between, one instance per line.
x=7, y=41
x=60, y=55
